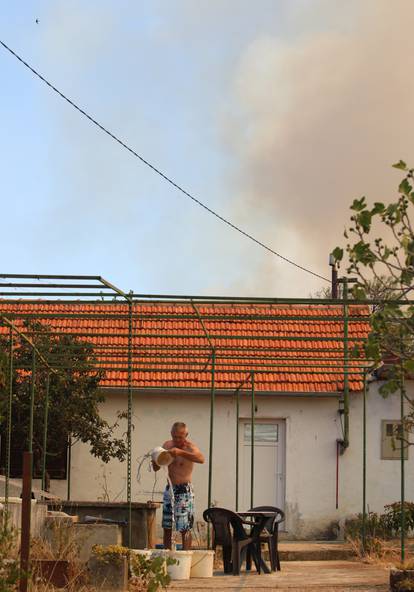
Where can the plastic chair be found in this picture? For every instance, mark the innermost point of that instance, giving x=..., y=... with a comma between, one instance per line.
x=271, y=534
x=230, y=535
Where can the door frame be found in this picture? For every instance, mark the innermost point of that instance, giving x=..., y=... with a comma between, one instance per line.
x=281, y=454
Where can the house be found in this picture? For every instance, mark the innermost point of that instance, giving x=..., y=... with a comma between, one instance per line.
x=287, y=364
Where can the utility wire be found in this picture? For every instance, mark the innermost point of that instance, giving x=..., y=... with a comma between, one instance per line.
x=158, y=171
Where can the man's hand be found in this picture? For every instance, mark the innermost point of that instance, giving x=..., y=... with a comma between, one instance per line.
x=155, y=467
x=175, y=452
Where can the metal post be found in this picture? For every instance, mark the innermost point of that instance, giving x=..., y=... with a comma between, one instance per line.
x=211, y=443
x=9, y=420
x=26, y=517
x=32, y=398
x=69, y=465
x=212, y=409
x=346, y=362
x=237, y=447
x=129, y=428
x=402, y=451
x=364, y=466
x=253, y=411
x=45, y=420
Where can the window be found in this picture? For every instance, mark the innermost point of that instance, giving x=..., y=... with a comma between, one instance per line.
x=391, y=431
x=56, y=463
x=263, y=432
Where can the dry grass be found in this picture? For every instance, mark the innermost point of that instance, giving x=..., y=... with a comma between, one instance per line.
x=384, y=553
x=63, y=545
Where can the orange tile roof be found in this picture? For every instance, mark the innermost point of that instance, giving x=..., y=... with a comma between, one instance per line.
x=291, y=348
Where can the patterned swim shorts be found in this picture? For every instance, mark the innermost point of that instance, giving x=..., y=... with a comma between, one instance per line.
x=183, y=507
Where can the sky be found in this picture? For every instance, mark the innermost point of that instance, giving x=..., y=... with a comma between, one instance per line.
x=274, y=113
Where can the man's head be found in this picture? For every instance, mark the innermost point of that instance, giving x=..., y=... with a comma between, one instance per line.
x=179, y=433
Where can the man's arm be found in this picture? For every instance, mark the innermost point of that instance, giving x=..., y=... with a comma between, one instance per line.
x=194, y=454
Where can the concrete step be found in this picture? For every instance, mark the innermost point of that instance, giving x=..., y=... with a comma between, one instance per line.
x=315, y=551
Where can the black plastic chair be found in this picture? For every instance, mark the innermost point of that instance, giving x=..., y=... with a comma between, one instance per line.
x=229, y=533
x=270, y=536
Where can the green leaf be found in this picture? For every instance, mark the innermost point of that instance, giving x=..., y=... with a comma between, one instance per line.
x=359, y=204
x=378, y=208
x=400, y=165
x=405, y=187
x=364, y=220
x=389, y=387
x=362, y=253
x=338, y=253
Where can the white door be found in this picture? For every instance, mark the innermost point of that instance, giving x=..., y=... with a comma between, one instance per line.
x=269, y=464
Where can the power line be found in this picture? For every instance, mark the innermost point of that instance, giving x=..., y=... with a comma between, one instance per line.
x=156, y=170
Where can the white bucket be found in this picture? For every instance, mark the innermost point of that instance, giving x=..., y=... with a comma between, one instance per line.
x=182, y=569
x=202, y=563
x=161, y=457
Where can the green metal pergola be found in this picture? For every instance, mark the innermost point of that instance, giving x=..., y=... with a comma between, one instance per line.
x=202, y=352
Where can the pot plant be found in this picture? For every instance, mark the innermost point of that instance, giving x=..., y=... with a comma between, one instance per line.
x=402, y=577
x=56, y=561
x=108, y=568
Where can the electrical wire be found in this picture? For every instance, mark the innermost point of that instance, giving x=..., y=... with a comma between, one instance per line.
x=158, y=171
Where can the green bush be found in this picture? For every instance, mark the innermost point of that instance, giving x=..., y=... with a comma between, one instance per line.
x=383, y=526
x=393, y=515
x=150, y=574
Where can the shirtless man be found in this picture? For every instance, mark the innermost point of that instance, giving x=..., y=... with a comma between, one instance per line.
x=185, y=454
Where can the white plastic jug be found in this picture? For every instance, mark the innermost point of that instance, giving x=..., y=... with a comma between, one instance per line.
x=161, y=457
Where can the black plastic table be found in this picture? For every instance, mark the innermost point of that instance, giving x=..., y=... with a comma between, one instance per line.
x=259, y=520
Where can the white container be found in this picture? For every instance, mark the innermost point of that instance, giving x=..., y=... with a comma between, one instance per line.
x=202, y=563
x=182, y=569
x=161, y=457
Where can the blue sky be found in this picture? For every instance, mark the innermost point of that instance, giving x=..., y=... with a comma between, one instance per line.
x=276, y=113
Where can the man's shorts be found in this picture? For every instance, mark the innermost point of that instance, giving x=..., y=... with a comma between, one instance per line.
x=183, y=507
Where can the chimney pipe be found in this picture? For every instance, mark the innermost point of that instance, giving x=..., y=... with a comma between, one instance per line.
x=334, y=280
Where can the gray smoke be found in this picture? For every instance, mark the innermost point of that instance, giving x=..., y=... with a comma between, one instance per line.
x=316, y=121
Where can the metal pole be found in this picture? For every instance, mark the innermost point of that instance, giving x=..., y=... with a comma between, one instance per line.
x=212, y=409
x=402, y=451
x=9, y=420
x=26, y=517
x=237, y=447
x=211, y=443
x=129, y=428
x=253, y=411
x=334, y=278
x=364, y=467
x=45, y=420
x=346, y=359
x=32, y=397
x=69, y=465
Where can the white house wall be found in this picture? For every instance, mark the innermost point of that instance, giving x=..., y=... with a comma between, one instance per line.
x=312, y=428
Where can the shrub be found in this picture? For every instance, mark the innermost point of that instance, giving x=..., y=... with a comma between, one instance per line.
x=150, y=574
x=9, y=567
x=393, y=515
